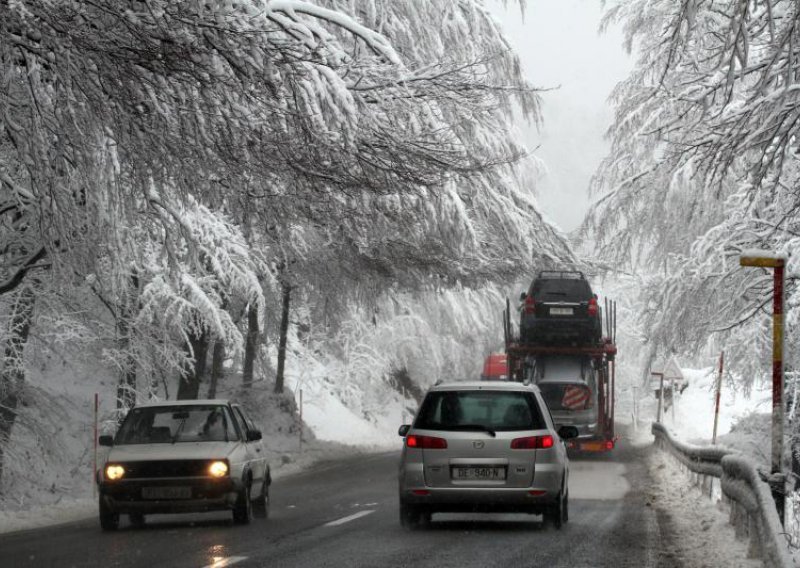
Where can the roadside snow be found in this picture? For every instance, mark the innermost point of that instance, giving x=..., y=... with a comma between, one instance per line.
x=701, y=527
x=693, y=417
x=65, y=511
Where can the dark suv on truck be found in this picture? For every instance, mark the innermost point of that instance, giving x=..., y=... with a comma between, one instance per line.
x=560, y=307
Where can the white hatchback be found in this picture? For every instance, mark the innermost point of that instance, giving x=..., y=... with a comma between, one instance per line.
x=184, y=456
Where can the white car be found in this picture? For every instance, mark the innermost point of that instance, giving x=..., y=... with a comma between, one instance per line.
x=181, y=457
x=484, y=447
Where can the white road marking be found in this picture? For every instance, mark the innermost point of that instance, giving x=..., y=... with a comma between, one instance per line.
x=349, y=518
x=224, y=562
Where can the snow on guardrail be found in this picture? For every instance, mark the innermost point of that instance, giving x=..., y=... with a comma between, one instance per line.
x=752, y=511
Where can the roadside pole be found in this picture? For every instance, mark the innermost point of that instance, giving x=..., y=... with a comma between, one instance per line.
x=300, y=438
x=778, y=264
x=673, y=397
x=94, y=445
x=660, y=396
x=717, y=396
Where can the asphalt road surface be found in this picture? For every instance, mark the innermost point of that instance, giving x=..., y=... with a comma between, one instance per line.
x=345, y=514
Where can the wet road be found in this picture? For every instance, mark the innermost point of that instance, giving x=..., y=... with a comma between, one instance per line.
x=345, y=514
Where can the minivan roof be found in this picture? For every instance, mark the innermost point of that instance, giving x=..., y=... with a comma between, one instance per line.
x=201, y=402
x=483, y=385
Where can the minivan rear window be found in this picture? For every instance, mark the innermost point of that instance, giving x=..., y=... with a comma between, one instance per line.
x=480, y=409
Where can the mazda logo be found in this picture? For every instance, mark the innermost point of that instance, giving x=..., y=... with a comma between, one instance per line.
x=478, y=445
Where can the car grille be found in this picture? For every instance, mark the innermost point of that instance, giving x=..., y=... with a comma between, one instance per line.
x=166, y=468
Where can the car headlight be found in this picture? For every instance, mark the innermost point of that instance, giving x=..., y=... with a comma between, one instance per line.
x=218, y=469
x=114, y=472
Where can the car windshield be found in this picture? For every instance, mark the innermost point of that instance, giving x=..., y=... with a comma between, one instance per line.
x=493, y=411
x=171, y=424
x=561, y=289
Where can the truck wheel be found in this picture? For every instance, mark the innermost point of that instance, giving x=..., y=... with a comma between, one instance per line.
x=243, y=509
x=261, y=504
x=410, y=516
x=109, y=520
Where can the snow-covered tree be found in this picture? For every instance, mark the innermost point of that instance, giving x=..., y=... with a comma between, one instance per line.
x=703, y=166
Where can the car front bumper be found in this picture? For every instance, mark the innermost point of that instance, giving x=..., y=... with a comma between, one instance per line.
x=207, y=494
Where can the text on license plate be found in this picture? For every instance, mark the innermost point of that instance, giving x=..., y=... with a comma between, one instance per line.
x=560, y=311
x=167, y=492
x=479, y=473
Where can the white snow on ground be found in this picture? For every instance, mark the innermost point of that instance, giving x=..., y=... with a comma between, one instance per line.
x=706, y=538
x=693, y=417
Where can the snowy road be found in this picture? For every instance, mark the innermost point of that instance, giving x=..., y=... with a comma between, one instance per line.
x=345, y=514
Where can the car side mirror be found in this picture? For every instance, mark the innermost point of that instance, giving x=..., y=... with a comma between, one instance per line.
x=106, y=440
x=403, y=430
x=523, y=296
x=253, y=435
x=568, y=432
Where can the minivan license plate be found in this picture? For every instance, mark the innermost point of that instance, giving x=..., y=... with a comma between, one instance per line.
x=561, y=311
x=478, y=473
x=167, y=492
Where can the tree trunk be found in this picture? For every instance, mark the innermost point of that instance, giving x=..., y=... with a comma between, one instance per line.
x=12, y=377
x=251, y=345
x=189, y=386
x=217, y=358
x=284, y=332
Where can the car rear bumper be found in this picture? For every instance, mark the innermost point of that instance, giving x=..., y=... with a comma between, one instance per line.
x=556, y=326
x=547, y=483
x=461, y=500
x=126, y=496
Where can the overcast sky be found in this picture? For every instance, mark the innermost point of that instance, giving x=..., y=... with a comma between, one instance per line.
x=559, y=45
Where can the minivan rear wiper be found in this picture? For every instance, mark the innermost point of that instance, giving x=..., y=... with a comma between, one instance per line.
x=477, y=427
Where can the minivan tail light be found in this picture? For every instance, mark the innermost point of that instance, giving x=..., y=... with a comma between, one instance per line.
x=426, y=442
x=530, y=304
x=532, y=443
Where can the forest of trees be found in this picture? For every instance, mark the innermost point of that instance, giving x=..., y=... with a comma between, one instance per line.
x=177, y=178
x=704, y=165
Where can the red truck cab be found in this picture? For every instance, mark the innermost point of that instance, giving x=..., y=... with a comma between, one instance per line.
x=495, y=367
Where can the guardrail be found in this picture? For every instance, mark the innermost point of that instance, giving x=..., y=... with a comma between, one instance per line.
x=752, y=509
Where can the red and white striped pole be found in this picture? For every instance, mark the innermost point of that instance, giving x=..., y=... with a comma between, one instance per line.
x=778, y=264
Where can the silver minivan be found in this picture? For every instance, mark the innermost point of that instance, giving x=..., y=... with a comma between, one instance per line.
x=484, y=447
x=568, y=384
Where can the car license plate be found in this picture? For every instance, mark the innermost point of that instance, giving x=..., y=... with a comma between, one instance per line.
x=479, y=473
x=177, y=492
x=561, y=311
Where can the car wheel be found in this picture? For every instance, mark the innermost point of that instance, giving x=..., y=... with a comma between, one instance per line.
x=559, y=511
x=410, y=516
x=261, y=504
x=109, y=520
x=243, y=509
x=136, y=519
